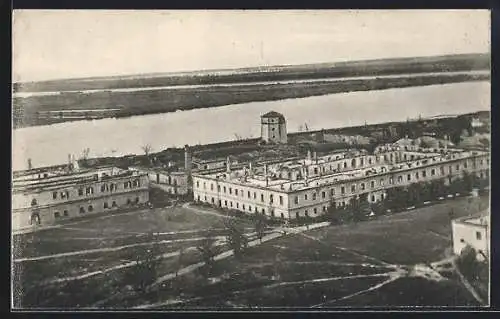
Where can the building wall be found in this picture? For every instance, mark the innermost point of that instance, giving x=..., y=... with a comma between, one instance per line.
x=249, y=199
x=24, y=205
x=273, y=131
x=338, y=163
x=172, y=182
x=315, y=200
x=91, y=189
x=467, y=234
x=67, y=210
x=210, y=164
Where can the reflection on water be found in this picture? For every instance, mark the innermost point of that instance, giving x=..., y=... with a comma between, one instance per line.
x=50, y=144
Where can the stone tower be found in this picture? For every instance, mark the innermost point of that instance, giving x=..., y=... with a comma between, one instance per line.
x=273, y=128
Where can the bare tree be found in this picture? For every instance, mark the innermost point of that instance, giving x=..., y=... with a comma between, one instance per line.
x=260, y=226
x=208, y=252
x=147, y=149
x=144, y=273
x=235, y=236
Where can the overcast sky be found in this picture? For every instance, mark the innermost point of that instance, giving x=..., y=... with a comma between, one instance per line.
x=68, y=44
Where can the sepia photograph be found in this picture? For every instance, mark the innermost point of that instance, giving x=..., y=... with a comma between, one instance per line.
x=239, y=160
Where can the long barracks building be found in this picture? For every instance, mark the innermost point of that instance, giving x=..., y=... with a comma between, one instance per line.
x=42, y=196
x=307, y=186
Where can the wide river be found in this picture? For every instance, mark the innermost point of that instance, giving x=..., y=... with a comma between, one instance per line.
x=51, y=144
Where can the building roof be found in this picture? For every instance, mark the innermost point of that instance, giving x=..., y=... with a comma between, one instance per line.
x=405, y=142
x=477, y=219
x=273, y=114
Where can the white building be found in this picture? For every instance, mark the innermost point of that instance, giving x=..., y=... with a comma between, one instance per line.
x=473, y=231
x=306, y=187
x=475, y=123
x=273, y=128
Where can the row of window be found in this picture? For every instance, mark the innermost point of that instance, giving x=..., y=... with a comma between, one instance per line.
x=243, y=207
x=90, y=208
x=353, y=163
x=377, y=158
x=339, y=204
x=90, y=190
x=363, y=186
x=241, y=193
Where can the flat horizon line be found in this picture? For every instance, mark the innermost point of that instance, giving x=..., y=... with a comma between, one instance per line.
x=250, y=69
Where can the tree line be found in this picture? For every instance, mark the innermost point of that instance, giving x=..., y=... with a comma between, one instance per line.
x=400, y=198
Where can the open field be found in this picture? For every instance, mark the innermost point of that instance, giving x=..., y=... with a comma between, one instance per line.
x=393, y=260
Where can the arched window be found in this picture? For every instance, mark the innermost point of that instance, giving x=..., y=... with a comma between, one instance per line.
x=34, y=202
x=353, y=162
x=90, y=208
x=82, y=210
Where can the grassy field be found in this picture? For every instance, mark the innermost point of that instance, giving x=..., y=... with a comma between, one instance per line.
x=375, y=263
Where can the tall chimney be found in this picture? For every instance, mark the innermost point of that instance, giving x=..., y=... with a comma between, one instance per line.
x=70, y=164
x=315, y=157
x=188, y=160
x=30, y=166
x=75, y=163
x=188, y=167
x=228, y=165
x=309, y=154
x=250, y=169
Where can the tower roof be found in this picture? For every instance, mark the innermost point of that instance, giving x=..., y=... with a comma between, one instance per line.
x=273, y=114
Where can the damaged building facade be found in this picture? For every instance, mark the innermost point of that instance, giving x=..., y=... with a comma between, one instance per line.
x=45, y=195
x=306, y=187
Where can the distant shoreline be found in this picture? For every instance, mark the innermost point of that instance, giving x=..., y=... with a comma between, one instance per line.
x=377, y=67
x=47, y=110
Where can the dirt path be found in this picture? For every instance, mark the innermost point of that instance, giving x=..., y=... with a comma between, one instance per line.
x=392, y=277
x=110, y=249
x=467, y=284
x=229, y=253
x=101, y=272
